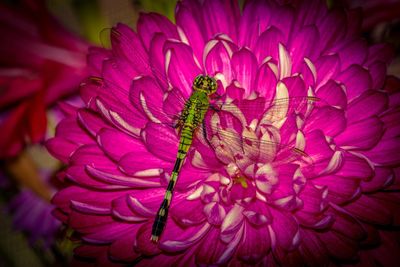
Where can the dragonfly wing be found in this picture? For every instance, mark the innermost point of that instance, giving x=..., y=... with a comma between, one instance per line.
x=149, y=90
x=260, y=129
x=161, y=141
x=148, y=97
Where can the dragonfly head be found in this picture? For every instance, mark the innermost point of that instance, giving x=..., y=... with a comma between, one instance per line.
x=205, y=83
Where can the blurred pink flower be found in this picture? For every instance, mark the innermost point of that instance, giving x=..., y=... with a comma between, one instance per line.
x=375, y=11
x=41, y=62
x=33, y=216
x=243, y=203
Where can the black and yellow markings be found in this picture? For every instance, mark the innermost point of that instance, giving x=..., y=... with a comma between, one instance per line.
x=191, y=117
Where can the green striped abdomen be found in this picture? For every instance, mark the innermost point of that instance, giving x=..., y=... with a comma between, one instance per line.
x=162, y=214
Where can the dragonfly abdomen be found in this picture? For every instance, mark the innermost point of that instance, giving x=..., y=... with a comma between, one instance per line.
x=162, y=214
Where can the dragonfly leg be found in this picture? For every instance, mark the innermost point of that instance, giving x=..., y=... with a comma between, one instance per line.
x=204, y=130
x=215, y=96
x=215, y=108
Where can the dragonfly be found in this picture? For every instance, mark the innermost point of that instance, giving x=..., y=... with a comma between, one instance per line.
x=191, y=119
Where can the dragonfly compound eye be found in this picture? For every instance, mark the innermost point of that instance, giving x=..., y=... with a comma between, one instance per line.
x=205, y=83
x=212, y=88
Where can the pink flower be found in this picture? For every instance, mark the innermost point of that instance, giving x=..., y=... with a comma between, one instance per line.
x=32, y=215
x=41, y=62
x=375, y=12
x=250, y=199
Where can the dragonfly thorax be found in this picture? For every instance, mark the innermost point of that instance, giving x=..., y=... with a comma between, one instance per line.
x=205, y=84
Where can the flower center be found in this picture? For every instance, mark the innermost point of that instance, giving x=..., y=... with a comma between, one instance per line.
x=240, y=180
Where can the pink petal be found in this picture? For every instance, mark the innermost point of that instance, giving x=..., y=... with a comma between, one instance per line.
x=385, y=152
x=285, y=229
x=91, y=154
x=69, y=129
x=331, y=29
x=132, y=164
x=177, y=239
x=116, y=144
x=152, y=23
x=244, y=66
x=64, y=197
x=332, y=94
x=91, y=121
x=146, y=202
x=221, y=252
x=255, y=19
x=147, y=98
x=356, y=79
x=327, y=68
x=215, y=213
x=340, y=189
x=383, y=177
x=221, y=17
x=184, y=215
x=355, y=167
x=338, y=246
x=353, y=52
x=143, y=244
x=89, y=209
x=122, y=210
x=361, y=135
x=312, y=248
x=265, y=80
x=126, y=44
x=95, y=58
x=158, y=60
x=257, y=214
x=330, y=120
x=78, y=175
x=61, y=148
x=314, y=199
x=191, y=28
x=218, y=60
x=87, y=223
x=252, y=248
x=231, y=223
x=318, y=150
x=123, y=247
x=284, y=25
x=319, y=221
x=267, y=44
x=386, y=254
x=302, y=46
x=116, y=79
x=378, y=72
x=115, y=178
x=181, y=67
x=124, y=118
x=347, y=225
x=379, y=52
x=370, y=103
x=308, y=12
x=156, y=134
x=369, y=210
x=190, y=176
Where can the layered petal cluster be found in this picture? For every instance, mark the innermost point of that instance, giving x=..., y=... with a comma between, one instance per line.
x=299, y=163
x=41, y=62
